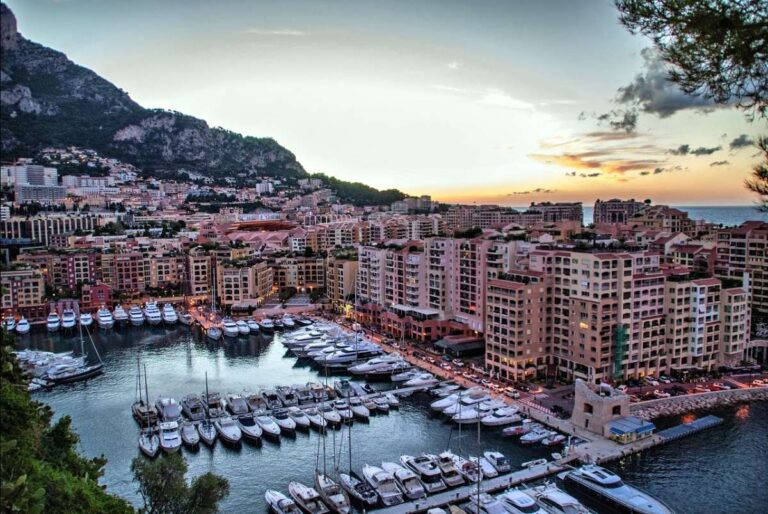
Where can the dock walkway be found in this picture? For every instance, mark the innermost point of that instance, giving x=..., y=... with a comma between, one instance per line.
x=686, y=429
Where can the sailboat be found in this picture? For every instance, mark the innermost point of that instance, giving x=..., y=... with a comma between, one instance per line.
x=143, y=412
x=213, y=332
x=358, y=490
x=68, y=373
x=149, y=441
x=206, y=428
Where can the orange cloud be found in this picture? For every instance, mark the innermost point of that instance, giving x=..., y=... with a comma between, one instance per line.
x=597, y=160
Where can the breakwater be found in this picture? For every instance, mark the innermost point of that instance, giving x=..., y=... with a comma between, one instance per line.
x=681, y=404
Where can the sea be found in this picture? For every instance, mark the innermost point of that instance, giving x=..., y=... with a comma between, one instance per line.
x=723, y=469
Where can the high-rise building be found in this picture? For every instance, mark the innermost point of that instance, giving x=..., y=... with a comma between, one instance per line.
x=616, y=211
x=744, y=250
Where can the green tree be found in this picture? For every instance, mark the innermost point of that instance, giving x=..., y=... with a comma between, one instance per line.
x=164, y=490
x=759, y=181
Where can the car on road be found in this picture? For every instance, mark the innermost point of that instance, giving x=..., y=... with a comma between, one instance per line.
x=458, y=362
x=651, y=381
x=664, y=379
x=430, y=360
x=446, y=366
x=512, y=393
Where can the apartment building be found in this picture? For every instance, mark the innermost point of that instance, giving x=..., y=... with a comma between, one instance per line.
x=741, y=250
x=23, y=292
x=666, y=219
x=41, y=228
x=341, y=280
x=199, y=271
x=559, y=211
x=243, y=283
x=166, y=270
x=303, y=273
x=616, y=211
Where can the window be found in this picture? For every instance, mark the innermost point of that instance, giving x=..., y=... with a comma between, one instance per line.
x=588, y=409
x=616, y=411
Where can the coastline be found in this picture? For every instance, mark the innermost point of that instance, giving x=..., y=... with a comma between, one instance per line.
x=677, y=405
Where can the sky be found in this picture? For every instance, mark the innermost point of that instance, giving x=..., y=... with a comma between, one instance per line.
x=506, y=102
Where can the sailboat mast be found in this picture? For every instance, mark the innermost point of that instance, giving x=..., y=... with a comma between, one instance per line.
x=146, y=390
x=206, y=395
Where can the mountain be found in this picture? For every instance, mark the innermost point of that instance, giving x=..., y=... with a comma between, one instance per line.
x=47, y=100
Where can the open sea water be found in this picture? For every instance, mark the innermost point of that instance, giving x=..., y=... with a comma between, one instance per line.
x=720, y=470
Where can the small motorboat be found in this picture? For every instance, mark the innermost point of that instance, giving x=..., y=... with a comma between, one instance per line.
x=468, y=469
x=207, y=431
x=230, y=328
x=519, y=430
x=319, y=393
x=228, y=429
x=192, y=407
x=288, y=323
x=382, y=404
x=332, y=494
x=307, y=498
x=271, y=398
x=255, y=401
x=86, y=319
x=499, y=461
x=53, y=322
x=393, y=400
x=213, y=333
x=284, y=421
x=170, y=439
x=553, y=440
x=421, y=380
x=287, y=396
x=342, y=407
x=186, y=318
x=168, y=409
x=149, y=442
x=189, y=434
x=303, y=394
x=280, y=503
x=331, y=415
x=299, y=417
x=266, y=326
x=360, y=493
x=22, y=327
x=384, y=484
x=237, y=404
x=268, y=425
x=251, y=430
x=488, y=469
x=451, y=475
x=104, y=318
x=316, y=420
x=407, y=480
x=68, y=319
x=426, y=470
x=358, y=409
x=369, y=404
x=484, y=503
x=213, y=404
x=501, y=417
x=517, y=502
x=119, y=314
x=169, y=314
x=9, y=324
x=536, y=436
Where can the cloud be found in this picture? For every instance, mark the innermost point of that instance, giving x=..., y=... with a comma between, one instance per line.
x=598, y=160
x=652, y=92
x=610, y=136
x=719, y=163
x=278, y=32
x=498, y=98
x=657, y=171
x=454, y=65
x=538, y=190
x=686, y=149
x=620, y=119
x=740, y=142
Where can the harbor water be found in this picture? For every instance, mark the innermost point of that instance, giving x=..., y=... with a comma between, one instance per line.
x=732, y=455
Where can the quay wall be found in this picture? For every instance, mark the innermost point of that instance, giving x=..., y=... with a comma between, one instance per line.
x=681, y=404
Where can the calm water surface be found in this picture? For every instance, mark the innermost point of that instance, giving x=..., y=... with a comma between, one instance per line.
x=716, y=471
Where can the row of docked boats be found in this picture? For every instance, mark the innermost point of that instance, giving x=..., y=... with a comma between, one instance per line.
x=244, y=327
x=106, y=319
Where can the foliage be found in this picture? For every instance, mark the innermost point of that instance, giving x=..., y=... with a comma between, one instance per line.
x=163, y=487
x=40, y=468
x=468, y=233
x=759, y=181
x=358, y=193
x=718, y=49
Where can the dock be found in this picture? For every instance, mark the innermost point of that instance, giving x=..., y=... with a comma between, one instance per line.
x=686, y=429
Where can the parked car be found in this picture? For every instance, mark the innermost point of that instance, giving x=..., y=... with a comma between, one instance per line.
x=457, y=362
x=623, y=388
x=701, y=389
x=664, y=379
x=513, y=394
x=661, y=394
x=430, y=360
x=651, y=381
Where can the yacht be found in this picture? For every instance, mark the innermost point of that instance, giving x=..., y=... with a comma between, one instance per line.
x=169, y=314
x=189, y=434
x=271, y=398
x=476, y=413
x=374, y=364
x=213, y=333
x=536, y=436
x=342, y=407
x=152, y=312
x=68, y=319
x=393, y=401
x=299, y=417
x=553, y=440
x=284, y=421
x=484, y=503
x=228, y=429
x=303, y=394
x=248, y=426
x=207, y=431
x=316, y=420
x=266, y=325
x=288, y=323
x=213, y=404
x=307, y=498
x=501, y=417
x=67, y=373
x=445, y=390
x=382, y=404
x=255, y=401
x=22, y=327
x=243, y=327
x=136, y=315
x=607, y=490
x=9, y=323
x=143, y=413
x=522, y=429
x=331, y=415
x=555, y=501
x=287, y=396
x=168, y=409
x=268, y=425
x=120, y=315
x=407, y=480
x=319, y=393
x=468, y=469
x=499, y=461
x=450, y=474
x=517, y=502
x=384, y=484
x=332, y=494
x=359, y=410
x=149, y=442
x=192, y=407
x=53, y=322
x=466, y=402
x=170, y=439
x=104, y=318
x=488, y=469
x=86, y=319
x=186, y=318
x=237, y=404
x=253, y=326
x=280, y=503
x=426, y=470
x=369, y=404
x=230, y=328
x=359, y=491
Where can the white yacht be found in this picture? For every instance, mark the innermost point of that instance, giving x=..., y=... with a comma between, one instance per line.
x=9, y=323
x=266, y=325
x=168, y=409
x=169, y=314
x=470, y=470
x=268, y=425
x=451, y=475
x=501, y=417
x=316, y=419
x=228, y=429
x=299, y=417
x=68, y=319
x=555, y=501
x=192, y=407
x=213, y=333
x=484, y=503
x=307, y=498
x=426, y=470
x=475, y=413
x=152, y=312
x=104, y=318
x=22, y=327
x=53, y=322
x=375, y=364
x=135, y=314
x=280, y=503
x=332, y=494
x=342, y=407
x=407, y=480
x=467, y=401
x=331, y=415
x=120, y=315
x=170, y=439
x=248, y=426
x=517, y=502
x=608, y=490
x=185, y=318
x=393, y=401
x=189, y=434
x=253, y=325
x=536, y=435
x=242, y=327
x=237, y=404
x=499, y=461
x=86, y=319
x=288, y=322
x=284, y=421
x=230, y=327
x=422, y=380
x=384, y=484
x=359, y=410
x=488, y=469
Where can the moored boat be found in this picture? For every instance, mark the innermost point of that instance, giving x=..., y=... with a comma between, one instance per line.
x=119, y=314
x=23, y=326
x=169, y=314
x=280, y=503
x=170, y=439
x=228, y=429
x=189, y=434
x=104, y=318
x=307, y=498
x=149, y=442
x=384, y=484
x=332, y=494
x=86, y=319
x=53, y=322
x=360, y=493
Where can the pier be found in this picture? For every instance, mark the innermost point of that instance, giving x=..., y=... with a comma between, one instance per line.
x=686, y=429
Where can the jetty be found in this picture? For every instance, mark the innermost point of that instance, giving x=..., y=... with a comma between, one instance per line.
x=686, y=429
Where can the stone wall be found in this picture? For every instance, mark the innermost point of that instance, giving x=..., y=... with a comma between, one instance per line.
x=681, y=404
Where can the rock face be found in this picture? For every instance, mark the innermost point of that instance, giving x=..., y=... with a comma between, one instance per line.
x=46, y=99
